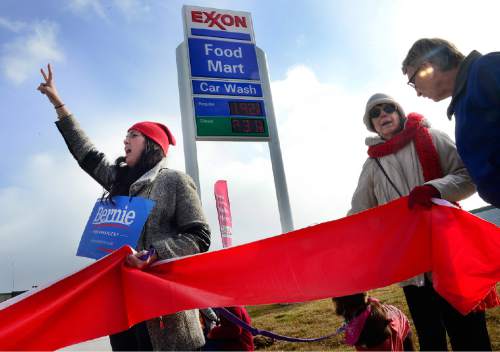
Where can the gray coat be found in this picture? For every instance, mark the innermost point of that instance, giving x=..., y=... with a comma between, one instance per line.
x=404, y=169
x=177, y=208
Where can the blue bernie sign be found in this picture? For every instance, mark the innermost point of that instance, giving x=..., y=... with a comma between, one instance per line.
x=112, y=226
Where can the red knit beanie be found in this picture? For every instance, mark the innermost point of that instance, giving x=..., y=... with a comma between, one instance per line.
x=157, y=132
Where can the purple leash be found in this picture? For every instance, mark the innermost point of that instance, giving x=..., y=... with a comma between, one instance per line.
x=254, y=331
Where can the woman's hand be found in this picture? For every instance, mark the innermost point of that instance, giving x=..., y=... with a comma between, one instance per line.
x=141, y=259
x=422, y=195
x=49, y=88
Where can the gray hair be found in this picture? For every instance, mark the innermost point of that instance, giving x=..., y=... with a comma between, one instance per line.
x=443, y=54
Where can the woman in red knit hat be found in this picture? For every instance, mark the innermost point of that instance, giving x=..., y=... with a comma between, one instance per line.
x=175, y=227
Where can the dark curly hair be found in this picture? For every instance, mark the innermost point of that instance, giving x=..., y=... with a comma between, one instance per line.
x=126, y=175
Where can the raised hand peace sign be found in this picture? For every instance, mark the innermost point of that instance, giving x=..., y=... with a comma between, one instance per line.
x=49, y=88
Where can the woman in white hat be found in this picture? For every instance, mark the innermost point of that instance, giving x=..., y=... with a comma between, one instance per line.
x=406, y=157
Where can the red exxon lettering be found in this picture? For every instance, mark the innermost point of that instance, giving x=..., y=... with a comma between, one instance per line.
x=227, y=20
x=219, y=20
x=197, y=16
x=212, y=18
x=240, y=21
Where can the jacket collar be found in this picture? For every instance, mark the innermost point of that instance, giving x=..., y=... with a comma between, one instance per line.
x=148, y=177
x=374, y=140
x=461, y=80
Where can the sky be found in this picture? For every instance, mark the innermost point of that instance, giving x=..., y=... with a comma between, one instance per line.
x=114, y=64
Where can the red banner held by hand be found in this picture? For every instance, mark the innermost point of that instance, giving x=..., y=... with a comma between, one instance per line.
x=368, y=250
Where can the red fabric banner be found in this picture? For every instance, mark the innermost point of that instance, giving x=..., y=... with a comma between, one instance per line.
x=368, y=250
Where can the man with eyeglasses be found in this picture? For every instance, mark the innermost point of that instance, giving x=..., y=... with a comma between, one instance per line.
x=437, y=70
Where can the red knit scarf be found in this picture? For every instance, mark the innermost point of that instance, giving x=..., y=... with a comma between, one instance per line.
x=415, y=131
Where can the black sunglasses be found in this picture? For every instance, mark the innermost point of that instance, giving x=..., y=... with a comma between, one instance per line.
x=375, y=112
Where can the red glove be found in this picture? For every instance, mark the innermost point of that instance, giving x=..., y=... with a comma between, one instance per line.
x=422, y=195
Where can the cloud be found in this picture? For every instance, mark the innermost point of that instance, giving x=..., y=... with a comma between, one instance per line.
x=87, y=6
x=13, y=26
x=322, y=137
x=32, y=49
x=130, y=9
x=482, y=17
x=43, y=220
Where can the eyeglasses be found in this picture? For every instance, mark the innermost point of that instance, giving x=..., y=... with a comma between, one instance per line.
x=375, y=112
x=411, y=81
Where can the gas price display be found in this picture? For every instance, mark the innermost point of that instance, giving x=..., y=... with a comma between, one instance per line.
x=248, y=125
x=242, y=119
x=243, y=108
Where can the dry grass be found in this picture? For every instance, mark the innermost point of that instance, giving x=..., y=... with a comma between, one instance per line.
x=314, y=319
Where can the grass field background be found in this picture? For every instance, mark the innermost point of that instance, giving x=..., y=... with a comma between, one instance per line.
x=317, y=318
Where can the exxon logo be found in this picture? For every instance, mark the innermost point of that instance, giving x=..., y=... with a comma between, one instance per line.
x=220, y=20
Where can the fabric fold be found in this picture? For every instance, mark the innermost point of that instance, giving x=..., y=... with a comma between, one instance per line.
x=368, y=250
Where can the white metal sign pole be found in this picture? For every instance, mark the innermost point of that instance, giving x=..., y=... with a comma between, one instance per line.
x=187, y=111
x=274, y=149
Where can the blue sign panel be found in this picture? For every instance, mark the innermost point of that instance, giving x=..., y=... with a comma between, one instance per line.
x=227, y=88
x=201, y=32
x=220, y=107
x=112, y=226
x=221, y=59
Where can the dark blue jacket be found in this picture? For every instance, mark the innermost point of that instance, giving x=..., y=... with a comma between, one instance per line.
x=476, y=105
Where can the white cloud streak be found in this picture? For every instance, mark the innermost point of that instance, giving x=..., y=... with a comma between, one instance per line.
x=32, y=49
x=83, y=7
x=130, y=9
x=13, y=26
x=43, y=220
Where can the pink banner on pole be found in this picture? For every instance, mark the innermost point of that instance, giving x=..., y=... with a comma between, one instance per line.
x=223, y=212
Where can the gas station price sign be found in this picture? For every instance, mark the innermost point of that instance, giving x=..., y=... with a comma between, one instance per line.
x=244, y=108
x=224, y=74
x=235, y=117
x=224, y=91
x=254, y=126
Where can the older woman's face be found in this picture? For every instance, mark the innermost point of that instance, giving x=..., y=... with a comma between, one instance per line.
x=385, y=120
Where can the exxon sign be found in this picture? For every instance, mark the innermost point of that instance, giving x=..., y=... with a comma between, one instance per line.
x=219, y=20
x=210, y=19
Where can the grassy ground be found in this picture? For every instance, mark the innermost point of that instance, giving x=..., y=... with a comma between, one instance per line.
x=314, y=319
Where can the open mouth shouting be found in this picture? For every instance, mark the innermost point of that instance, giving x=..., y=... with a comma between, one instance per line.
x=134, y=146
